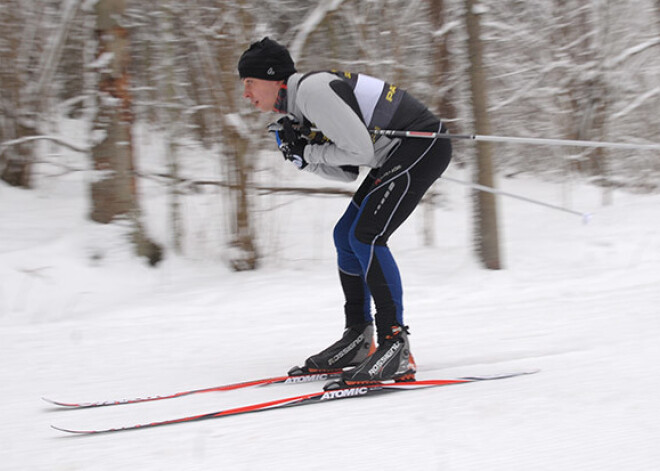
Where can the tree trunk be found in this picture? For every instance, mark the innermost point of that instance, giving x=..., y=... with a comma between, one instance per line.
x=243, y=250
x=17, y=169
x=16, y=161
x=486, y=234
x=172, y=119
x=443, y=102
x=113, y=191
x=114, y=188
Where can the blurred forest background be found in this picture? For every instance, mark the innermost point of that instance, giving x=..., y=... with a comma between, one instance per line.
x=92, y=77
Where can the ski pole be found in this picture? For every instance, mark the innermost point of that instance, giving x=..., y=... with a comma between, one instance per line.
x=515, y=140
x=487, y=138
x=586, y=217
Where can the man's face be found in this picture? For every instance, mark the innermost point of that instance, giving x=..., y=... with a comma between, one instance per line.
x=262, y=93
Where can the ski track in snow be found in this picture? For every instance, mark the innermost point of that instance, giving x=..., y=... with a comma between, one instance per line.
x=578, y=302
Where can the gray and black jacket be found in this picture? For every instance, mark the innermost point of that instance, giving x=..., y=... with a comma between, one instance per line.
x=343, y=107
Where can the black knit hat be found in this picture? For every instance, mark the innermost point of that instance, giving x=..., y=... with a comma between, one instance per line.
x=267, y=60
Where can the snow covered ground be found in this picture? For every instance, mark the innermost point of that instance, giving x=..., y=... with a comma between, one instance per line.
x=80, y=319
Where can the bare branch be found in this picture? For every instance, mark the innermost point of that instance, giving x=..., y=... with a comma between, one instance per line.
x=330, y=191
x=57, y=140
x=310, y=23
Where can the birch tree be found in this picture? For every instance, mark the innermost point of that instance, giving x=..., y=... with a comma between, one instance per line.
x=113, y=191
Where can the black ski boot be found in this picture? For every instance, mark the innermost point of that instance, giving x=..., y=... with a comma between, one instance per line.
x=356, y=344
x=392, y=360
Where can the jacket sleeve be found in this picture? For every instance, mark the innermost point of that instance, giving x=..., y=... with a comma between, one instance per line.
x=351, y=142
x=344, y=173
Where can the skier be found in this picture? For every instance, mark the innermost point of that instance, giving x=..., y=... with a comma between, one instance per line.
x=343, y=107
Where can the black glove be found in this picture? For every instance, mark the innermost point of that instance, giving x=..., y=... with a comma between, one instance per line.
x=291, y=143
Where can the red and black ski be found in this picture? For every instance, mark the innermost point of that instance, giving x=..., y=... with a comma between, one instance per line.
x=311, y=398
x=288, y=379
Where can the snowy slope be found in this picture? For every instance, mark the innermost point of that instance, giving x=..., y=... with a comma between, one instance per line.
x=80, y=319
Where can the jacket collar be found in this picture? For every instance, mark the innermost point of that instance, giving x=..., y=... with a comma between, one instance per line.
x=291, y=92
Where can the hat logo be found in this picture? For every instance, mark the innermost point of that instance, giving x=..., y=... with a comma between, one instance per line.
x=270, y=71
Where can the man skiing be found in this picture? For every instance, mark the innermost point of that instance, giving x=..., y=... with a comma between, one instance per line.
x=326, y=132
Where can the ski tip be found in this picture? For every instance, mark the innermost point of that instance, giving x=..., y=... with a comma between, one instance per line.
x=85, y=432
x=60, y=429
x=52, y=402
x=61, y=404
x=526, y=372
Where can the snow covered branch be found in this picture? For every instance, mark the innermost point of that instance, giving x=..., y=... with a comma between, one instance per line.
x=310, y=23
x=57, y=140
